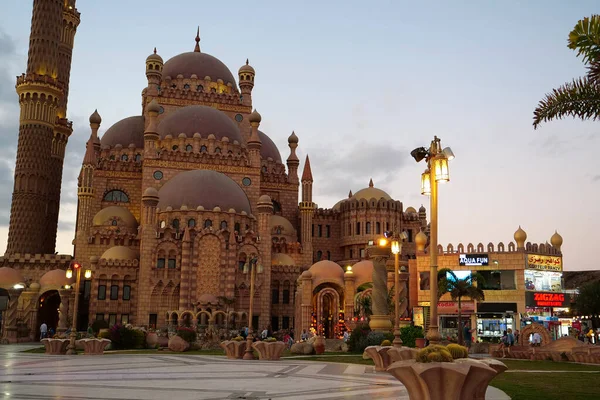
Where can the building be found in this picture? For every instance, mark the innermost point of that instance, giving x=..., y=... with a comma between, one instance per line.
x=172, y=203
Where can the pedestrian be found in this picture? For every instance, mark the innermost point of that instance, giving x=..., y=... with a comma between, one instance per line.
x=346, y=336
x=43, y=330
x=467, y=335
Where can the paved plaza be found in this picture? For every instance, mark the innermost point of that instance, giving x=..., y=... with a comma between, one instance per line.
x=187, y=377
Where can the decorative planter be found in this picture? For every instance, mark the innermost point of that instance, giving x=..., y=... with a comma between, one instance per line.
x=402, y=353
x=234, y=349
x=379, y=355
x=420, y=342
x=93, y=347
x=319, y=345
x=271, y=351
x=56, y=346
x=463, y=379
x=152, y=340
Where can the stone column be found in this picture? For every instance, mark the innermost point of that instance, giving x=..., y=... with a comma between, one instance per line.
x=380, y=320
x=402, y=302
x=63, y=310
x=350, y=291
x=9, y=323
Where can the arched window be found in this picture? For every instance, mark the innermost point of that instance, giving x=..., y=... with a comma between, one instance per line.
x=186, y=86
x=377, y=228
x=114, y=222
x=358, y=228
x=368, y=228
x=138, y=157
x=218, y=150
x=275, y=292
x=172, y=263
x=207, y=223
x=319, y=255
x=124, y=157
x=175, y=223
x=116, y=196
x=175, y=147
x=191, y=223
x=223, y=225
x=236, y=227
x=286, y=292
x=163, y=224
x=203, y=149
x=199, y=88
x=188, y=148
x=276, y=207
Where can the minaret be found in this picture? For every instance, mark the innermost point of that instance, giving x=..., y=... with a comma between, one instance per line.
x=307, y=210
x=43, y=131
x=154, y=66
x=265, y=211
x=85, y=184
x=254, y=143
x=292, y=161
x=246, y=76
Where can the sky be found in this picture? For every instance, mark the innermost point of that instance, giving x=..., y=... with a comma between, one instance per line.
x=362, y=84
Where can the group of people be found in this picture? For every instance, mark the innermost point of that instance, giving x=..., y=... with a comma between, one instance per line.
x=46, y=332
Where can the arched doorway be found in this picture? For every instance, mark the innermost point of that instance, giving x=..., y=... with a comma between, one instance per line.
x=327, y=301
x=48, y=305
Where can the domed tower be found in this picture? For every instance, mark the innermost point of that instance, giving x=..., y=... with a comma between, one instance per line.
x=520, y=237
x=154, y=66
x=43, y=130
x=292, y=160
x=246, y=74
x=254, y=142
x=307, y=211
x=556, y=240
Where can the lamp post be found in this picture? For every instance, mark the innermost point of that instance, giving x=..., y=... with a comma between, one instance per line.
x=436, y=172
x=396, y=246
x=88, y=274
x=252, y=267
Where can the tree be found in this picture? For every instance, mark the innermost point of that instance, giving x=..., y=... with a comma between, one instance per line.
x=580, y=98
x=587, y=301
x=459, y=288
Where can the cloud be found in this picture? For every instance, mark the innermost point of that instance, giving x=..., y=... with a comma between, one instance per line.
x=596, y=178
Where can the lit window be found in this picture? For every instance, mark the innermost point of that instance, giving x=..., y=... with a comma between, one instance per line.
x=116, y=196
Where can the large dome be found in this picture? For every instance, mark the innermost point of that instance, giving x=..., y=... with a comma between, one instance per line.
x=205, y=188
x=268, y=149
x=326, y=272
x=371, y=192
x=201, y=119
x=126, y=131
x=108, y=214
x=199, y=64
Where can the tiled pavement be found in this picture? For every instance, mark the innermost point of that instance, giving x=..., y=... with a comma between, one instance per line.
x=183, y=377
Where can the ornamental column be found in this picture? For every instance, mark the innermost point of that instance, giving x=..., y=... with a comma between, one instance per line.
x=380, y=320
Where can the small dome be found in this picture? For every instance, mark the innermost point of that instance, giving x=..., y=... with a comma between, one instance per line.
x=199, y=64
x=278, y=220
x=293, y=138
x=282, y=259
x=421, y=240
x=34, y=286
x=265, y=198
x=150, y=192
x=338, y=205
x=306, y=274
x=124, y=132
x=268, y=149
x=56, y=279
x=363, y=272
x=410, y=210
x=199, y=119
x=95, y=118
x=327, y=271
x=203, y=188
x=208, y=299
x=371, y=192
x=120, y=253
x=246, y=68
x=520, y=236
x=255, y=117
x=556, y=240
x=9, y=277
x=153, y=106
x=422, y=209
x=108, y=214
x=154, y=57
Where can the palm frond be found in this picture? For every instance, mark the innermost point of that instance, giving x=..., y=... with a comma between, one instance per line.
x=585, y=38
x=580, y=99
x=593, y=73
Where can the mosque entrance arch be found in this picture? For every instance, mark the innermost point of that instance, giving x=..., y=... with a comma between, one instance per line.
x=48, y=304
x=326, y=306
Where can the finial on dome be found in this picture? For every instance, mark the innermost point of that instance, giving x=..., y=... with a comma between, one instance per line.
x=350, y=193
x=197, y=48
x=293, y=138
x=556, y=240
x=95, y=118
x=421, y=240
x=247, y=62
x=371, y=183
x=255, y=117
x=155, y=50
x=520, y=237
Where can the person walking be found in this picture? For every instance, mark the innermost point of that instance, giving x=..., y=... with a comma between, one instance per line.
x=43, y=331
x=467, y=335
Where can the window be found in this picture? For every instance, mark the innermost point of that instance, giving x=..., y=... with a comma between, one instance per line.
x=188, y=148
x=498, y=280
x=246, y=181
x=102, y=292
x=377, y=228
x=368, y=228
x=410, y=235
x=114, y=292
x=319, y=255
x=152, y=318
x=424, y=283
x=114, y=222
x=112, y=319
x=285, y=322
x=124, y=319
x=362, y=253
x=223, y=225
x=186, y=86
x=124, y=157
x=175, y=147
x=328, y=230
x=87, y=289
x=99, y=317
x=236, y=227
x=199, y=88
x=275, y=293
x=218, y=150
x=320, y=230
x=358, y=228
x=349, y=229
x=387, y=226
x=126, y=292
x=286, y=292
x=203, y=149
x=138, y=157
x=276, y=207
x=175, y=223
x=350, y=253
x=207, y=223
x=117, y=196
x=275, y=323
x=172, y=263
x=158, y=175
x=191, y=223
x=160, y=263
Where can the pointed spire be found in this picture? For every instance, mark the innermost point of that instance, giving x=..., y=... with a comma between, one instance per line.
x=307, y=173
x=247, y=62
x=350, y=194
x=155, y=50
x=197, y=48
x=371, y=183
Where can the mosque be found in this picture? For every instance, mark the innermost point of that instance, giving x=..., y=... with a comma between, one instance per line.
x=176, y=204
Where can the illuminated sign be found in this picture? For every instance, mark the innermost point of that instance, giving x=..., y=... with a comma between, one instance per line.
x=473, y=259
x=545, y=263
x=545, y=299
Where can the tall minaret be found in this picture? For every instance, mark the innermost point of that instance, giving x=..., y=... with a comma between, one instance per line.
x=43, y=131
x=307, y=210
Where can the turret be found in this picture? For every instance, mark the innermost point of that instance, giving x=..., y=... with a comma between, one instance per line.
x=154, y=66
x=246, y=77
x=254, y=142
x=307, y=182
x=292, y=161
x=151, y=132
x=307, y=210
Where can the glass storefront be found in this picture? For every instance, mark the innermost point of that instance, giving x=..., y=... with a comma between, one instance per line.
x=545, y=281
x=491, y=327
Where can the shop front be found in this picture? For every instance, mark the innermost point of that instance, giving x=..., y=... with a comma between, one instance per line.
x=493, y=319
x=543, y=308
x=448, y=312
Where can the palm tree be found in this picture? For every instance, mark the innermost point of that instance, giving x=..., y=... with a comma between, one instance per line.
x=580, y=98
x=587, y=301
x=459, y=288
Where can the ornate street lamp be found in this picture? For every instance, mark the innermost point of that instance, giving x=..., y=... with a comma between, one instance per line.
x=395, y=241
x=253, y=267
x=69, y=273
x=437, y=172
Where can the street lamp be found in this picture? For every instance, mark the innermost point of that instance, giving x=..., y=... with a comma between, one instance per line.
x=437, y=172
x=396, y=247
x=69, y=273
x=253, y=267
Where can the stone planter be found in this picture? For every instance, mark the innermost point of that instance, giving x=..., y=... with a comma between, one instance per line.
x=464, y=379
x=402, y=353
x=152, y=340
x=302, y=348
x=420, y=342
x=177, y=344
x=93, y=347
x=55, y=346
x=271, y=351
x=234, y=349
x=379, y=355
x=319, y=345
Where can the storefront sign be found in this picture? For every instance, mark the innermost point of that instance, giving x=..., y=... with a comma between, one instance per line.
x=473, y=259
x=451, y=307
x=418, y=316
x=546, y=299
x=545, y=263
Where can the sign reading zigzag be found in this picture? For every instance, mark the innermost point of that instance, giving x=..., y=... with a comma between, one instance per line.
x=544, y=299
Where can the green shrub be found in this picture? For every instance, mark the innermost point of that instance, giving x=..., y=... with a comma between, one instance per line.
x=187, y=334
x=99, y=324
x=375, y=338
x=434, y=353
x=458, y=351
x=409, y=333
x=124, y=338
x=104, y=335
x=358, y=338
x=386, y=343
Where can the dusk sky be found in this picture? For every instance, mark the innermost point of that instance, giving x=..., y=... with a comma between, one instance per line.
x=361, y=84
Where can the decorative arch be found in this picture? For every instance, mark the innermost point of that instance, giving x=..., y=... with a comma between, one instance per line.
x=116, y=196
x=531, y=329
x=327, y=304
